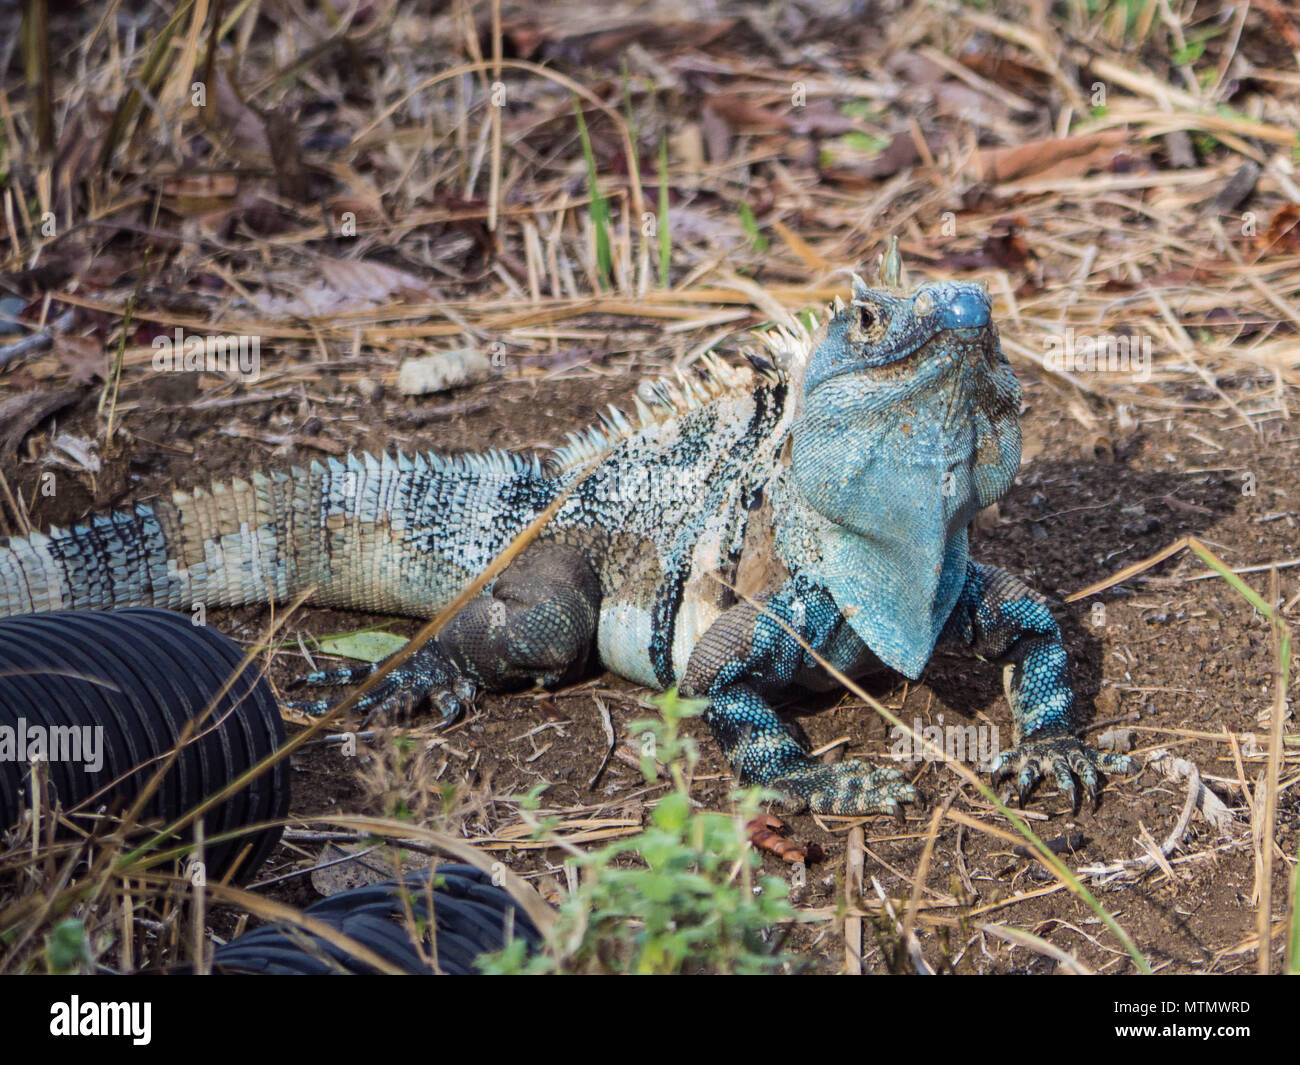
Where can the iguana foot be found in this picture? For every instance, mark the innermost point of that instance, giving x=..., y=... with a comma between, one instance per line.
x=428, y=677
x=1066, y=758
x=847, y=788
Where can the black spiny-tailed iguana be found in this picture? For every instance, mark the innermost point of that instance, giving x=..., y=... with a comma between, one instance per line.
x=833, y=482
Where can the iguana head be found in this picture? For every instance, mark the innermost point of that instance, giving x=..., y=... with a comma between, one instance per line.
x=907, y=424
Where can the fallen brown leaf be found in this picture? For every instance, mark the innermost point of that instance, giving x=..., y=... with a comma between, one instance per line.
x=1056, y=157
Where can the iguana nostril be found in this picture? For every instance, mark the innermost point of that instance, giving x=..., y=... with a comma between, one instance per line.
x=967, y=308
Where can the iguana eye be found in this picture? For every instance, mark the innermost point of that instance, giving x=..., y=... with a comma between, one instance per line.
x=866, y=319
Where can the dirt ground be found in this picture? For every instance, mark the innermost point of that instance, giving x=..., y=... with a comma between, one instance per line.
x=1174, y=658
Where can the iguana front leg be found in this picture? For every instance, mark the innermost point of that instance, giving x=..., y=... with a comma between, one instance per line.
x=1004, y=621
x=744, y=661
x=537, y=626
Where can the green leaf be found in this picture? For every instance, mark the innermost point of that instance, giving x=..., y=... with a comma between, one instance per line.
x=860, y=109
x=1293, y=948
x=66, y=947
x=671, y=813
x=657, y=887
x=598, y=210
x=750, y=224
x=367, y=645
x=863, y=142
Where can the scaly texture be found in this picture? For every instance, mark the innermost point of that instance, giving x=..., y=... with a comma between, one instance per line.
x=825, y=491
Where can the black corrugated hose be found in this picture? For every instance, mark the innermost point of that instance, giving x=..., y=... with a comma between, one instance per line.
x=114, y=689
x=470, y=915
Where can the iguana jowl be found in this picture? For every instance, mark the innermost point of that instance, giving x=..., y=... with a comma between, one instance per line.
x=833, y=485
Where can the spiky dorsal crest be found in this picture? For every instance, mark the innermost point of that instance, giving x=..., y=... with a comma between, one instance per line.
x=790, y=348
x=658, y=400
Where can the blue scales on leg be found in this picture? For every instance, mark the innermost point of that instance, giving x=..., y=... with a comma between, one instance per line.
x=1003, y=621
x=746, y=660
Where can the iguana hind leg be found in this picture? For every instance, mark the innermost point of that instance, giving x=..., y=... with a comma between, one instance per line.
x=745, y=660
x=537, y=626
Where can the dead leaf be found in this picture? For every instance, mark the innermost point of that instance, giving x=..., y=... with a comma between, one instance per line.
x=898, y=154
x=345, y=284
x=198, y=194
x=83, y=357
x=366, y=208
x=1003, y=248
x=1011, y=73
x=718, y=135
x=821, y=118
x=745, y=115
x=568, y=36
x=240, y=121
x=1054, y=158
x=1283, y=234
x=1283, y=21
x=372, y=281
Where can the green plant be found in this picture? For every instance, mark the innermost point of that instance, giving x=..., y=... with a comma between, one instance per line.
x=691, y=899
x=750, y=224
x=68, y=949
x=597, y=209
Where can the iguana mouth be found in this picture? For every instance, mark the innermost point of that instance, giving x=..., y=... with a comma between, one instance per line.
x=935, y=361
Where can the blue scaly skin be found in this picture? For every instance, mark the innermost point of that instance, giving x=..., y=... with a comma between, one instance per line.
x=828, y=491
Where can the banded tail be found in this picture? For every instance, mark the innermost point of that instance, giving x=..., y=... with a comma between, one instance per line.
x=389, y=535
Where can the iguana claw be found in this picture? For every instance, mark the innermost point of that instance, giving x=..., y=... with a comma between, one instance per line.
x=428, y=677
x=1067, y=758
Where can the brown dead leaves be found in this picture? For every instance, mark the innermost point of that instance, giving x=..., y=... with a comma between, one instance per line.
x=1051, y=159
